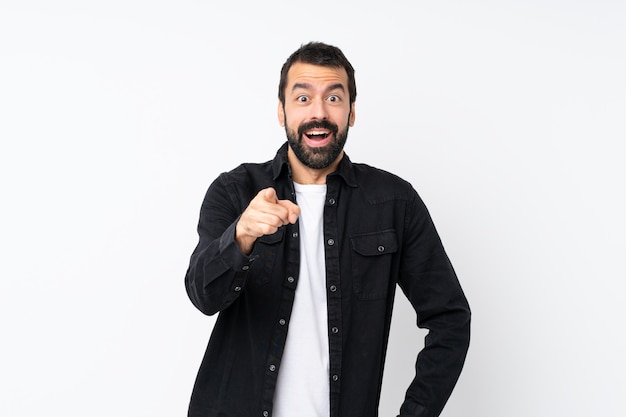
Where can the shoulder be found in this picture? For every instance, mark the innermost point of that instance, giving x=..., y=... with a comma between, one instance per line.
x=259, y=174
x=247, y=173
x=368, y=171
x=379, y=181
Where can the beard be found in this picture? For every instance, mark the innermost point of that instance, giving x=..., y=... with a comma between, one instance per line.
x=317, y=157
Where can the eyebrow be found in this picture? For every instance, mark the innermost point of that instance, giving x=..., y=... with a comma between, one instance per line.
x=307, y=86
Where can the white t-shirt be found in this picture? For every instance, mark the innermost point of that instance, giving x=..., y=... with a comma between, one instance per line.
x=303, y=386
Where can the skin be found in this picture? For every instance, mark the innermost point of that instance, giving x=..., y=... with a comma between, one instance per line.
x=313, y=93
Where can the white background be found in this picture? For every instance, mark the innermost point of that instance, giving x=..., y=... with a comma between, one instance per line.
x=507, y=116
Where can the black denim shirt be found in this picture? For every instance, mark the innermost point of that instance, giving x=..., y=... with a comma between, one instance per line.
x=377, y=234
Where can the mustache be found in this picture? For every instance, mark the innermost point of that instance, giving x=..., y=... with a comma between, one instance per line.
x=317, y=124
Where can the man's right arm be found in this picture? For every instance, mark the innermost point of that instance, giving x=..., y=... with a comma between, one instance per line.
x=218, y=266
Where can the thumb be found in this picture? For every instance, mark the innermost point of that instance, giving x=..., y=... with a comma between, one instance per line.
x=294, y=213
x=292, y=209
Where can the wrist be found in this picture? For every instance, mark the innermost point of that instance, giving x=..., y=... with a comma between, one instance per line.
x=244, y=240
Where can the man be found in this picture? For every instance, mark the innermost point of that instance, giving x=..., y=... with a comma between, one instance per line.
x=301, y=256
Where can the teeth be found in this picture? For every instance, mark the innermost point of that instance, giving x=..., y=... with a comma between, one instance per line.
x=316, y=133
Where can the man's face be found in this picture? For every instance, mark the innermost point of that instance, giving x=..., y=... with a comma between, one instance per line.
x=317, y=113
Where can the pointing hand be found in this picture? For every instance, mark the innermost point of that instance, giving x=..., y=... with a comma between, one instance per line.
x=263, y=216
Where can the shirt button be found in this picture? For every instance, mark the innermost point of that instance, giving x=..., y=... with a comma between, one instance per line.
x=332, y=201
x=245, y=267
x=294, y=234
x=237, y=289
x=381, y=248
x=272, y=368
x=291, y=280
x=335, y=378
x=331, y=242
x=333, y=288
x=335, y=330
x=282, y=322
x=266, y=413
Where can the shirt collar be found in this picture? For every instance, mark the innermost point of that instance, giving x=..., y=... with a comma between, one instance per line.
x=345, y=169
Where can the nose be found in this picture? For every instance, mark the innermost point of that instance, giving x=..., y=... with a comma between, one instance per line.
x=318, y=110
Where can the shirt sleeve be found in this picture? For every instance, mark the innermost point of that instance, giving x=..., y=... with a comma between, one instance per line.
x=217, y=269
x=430, y=283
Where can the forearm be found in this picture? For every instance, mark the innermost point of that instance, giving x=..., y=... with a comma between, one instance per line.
x=439, y=364
x=217, y=273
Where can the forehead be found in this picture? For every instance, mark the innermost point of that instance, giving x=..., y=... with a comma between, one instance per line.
x=316, y=75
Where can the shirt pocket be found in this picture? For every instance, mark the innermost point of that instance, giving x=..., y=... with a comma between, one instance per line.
x=266, y=251
x=371, y=263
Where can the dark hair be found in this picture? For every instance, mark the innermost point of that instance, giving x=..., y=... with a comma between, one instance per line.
x=318, y=53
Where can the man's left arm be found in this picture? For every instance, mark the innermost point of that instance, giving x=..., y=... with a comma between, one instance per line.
x=430, y=283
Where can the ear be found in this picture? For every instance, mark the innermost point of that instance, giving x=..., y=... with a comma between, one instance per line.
x=352, y=114
x=281, y=114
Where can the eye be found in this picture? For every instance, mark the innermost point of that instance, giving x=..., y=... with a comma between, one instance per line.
x=334, y=98
x=302, y=99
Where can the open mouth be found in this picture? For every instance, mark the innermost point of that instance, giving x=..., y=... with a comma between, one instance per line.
x=317, y=134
